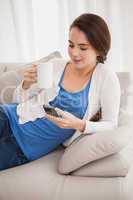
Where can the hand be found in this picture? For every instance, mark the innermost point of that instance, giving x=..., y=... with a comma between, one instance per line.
x=30, y=76
x=67, y=120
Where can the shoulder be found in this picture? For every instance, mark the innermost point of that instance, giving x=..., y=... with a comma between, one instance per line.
x=105, y=78
x=102, y=69
x=109, y=79
x=106, y=73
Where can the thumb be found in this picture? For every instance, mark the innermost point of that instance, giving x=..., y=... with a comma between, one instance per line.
x=61, y=112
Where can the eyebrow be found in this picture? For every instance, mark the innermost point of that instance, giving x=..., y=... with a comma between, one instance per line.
x=83, y=44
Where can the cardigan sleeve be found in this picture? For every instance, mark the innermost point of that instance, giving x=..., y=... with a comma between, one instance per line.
x=110, y=104
x=21, y=95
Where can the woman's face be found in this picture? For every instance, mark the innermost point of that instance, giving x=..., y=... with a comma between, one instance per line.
x=81, y=52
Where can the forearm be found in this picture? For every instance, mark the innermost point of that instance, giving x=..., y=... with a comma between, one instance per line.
x=21, y=95
x=92, y=127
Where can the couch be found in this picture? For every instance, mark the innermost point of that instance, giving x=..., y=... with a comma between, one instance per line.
x=41, y=180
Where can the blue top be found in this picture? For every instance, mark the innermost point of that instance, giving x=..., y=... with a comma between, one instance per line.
x=39, y=137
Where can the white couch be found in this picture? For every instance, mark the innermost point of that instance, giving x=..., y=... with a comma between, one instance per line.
x=40, y=179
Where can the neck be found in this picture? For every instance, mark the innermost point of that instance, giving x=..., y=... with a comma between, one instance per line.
x=84, y=71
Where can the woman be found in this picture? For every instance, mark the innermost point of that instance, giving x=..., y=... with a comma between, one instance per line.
x=80, y=88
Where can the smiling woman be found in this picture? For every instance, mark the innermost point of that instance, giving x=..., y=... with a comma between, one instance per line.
x=94, y=35
x=80, y=88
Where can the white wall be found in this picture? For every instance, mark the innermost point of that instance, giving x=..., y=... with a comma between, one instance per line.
x=30, y=29
x=8, y=46
x=45, y=19
x=127, y=10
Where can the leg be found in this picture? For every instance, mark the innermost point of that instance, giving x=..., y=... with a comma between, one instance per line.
x=4, y=124
x=10, y=152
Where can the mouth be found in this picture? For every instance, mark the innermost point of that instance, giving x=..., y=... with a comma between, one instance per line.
x=76, y=61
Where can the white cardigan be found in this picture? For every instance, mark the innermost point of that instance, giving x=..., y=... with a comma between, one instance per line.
x=104, y=92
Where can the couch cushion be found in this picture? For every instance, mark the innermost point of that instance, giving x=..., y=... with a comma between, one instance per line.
x=114, y=165
x=88, y=148
x=2, y=68
x=8, y=82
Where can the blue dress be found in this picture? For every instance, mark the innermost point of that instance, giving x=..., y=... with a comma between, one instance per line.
x=39, y=137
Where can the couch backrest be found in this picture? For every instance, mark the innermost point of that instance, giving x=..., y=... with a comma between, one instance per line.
x=126, y=84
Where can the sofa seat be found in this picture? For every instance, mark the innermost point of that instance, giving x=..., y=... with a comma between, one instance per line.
x=40, y=180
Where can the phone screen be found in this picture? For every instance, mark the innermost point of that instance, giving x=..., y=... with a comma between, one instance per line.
x=50, y=110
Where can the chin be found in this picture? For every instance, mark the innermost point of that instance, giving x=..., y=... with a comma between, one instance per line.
x=78, y=65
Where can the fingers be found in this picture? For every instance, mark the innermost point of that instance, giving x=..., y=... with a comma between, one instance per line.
x=66, y=115
x=53, y=118
x=62, y=123
x=61, y=112
x=30, y=74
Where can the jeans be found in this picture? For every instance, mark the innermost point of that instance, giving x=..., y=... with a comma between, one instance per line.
x=10, y=153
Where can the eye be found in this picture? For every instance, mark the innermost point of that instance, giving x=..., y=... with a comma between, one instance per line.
x=83, y=49
x=71, y=46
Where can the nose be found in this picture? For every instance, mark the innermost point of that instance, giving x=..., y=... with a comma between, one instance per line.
x=75, y=52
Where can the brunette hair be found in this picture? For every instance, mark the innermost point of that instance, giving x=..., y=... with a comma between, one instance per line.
x=97, y=33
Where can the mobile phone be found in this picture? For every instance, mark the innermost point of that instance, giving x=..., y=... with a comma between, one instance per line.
x=50, y=110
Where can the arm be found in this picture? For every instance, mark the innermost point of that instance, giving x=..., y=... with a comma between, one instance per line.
x=21, y=95
x=110, y=104
x=28, y=87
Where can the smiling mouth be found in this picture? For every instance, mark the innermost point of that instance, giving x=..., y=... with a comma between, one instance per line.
x=77, y=61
